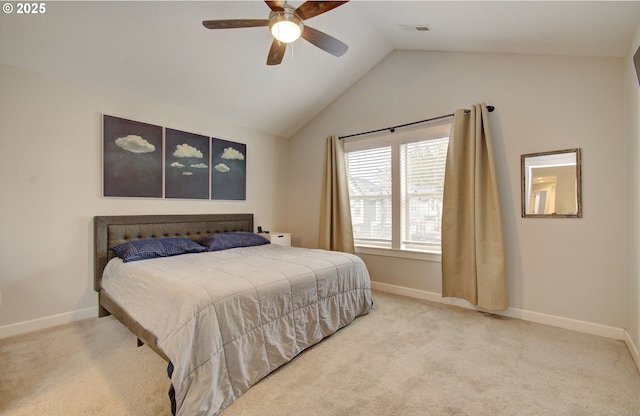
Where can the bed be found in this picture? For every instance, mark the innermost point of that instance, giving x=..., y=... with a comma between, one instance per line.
x=223, y=319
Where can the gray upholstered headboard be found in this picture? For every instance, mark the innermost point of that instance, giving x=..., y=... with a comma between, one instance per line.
x=110, y=231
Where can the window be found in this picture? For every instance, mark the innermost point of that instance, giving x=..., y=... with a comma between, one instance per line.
x=422, y=183
x=396, y=183
x=369, y=176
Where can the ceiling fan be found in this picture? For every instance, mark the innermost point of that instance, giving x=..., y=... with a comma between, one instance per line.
x=286, y=25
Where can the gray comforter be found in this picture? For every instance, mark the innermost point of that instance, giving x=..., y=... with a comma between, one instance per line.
x=227, y=319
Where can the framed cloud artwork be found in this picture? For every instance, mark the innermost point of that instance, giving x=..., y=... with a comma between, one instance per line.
x=143, y=160
x=132, y=158
x=229, y=170
x=186, y=165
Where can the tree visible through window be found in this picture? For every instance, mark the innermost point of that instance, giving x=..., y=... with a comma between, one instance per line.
x=396, y=184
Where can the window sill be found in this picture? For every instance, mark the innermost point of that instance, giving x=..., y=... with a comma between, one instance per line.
x=404, y=254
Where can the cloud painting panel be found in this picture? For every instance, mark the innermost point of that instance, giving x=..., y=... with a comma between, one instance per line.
x=229, y=170
x=132, y=164
x=186, y=165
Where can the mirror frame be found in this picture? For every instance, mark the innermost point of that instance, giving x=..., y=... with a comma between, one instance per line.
x=523, y=184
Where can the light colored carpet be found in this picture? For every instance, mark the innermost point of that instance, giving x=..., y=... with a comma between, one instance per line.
x=407, y=357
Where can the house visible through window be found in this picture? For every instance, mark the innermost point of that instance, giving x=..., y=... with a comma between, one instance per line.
x=369, y=176
x=396, y=182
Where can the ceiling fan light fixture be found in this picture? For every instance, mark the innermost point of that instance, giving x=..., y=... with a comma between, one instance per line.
x=285, y=26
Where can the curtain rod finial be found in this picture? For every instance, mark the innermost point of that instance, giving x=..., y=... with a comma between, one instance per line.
x=490, y=108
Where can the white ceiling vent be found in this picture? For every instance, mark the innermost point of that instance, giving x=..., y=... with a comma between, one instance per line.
x=415, y=28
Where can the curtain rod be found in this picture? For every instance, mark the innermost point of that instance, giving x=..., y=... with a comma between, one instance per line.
x=393, y=128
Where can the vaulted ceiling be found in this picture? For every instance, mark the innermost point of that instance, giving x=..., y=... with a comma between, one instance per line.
x=160, y=49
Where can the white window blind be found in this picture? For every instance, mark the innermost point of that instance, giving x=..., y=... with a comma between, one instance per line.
x=369, y=175
x=422, y=185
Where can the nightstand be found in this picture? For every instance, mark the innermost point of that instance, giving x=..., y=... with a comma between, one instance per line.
x=283, y=239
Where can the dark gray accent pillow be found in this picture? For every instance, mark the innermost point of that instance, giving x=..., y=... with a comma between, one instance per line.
x=155, y=247
x=235, y=239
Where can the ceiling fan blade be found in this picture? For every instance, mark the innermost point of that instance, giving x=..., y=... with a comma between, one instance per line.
x=310, y=9
x=276, y=53
x=276, y=6
x=325, y=42
x=234, y=23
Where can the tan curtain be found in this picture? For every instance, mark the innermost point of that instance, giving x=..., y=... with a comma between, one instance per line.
x=336, y=231
x=473, y=265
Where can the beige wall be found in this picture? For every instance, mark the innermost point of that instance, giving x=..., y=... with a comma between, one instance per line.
x=632, y=87
x=50, y=181
x=579, y=269
x=571, y=268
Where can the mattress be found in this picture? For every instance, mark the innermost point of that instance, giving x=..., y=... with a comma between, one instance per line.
x=226, y=319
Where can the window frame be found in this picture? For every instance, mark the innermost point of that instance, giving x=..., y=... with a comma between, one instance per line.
x=436, y=129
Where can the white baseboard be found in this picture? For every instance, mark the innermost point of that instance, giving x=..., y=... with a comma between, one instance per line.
x=633, y=348
x=552, y=320
x=46, y=322
x=541, y=318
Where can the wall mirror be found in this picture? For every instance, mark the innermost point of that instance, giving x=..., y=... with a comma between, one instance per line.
x=552, y=184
